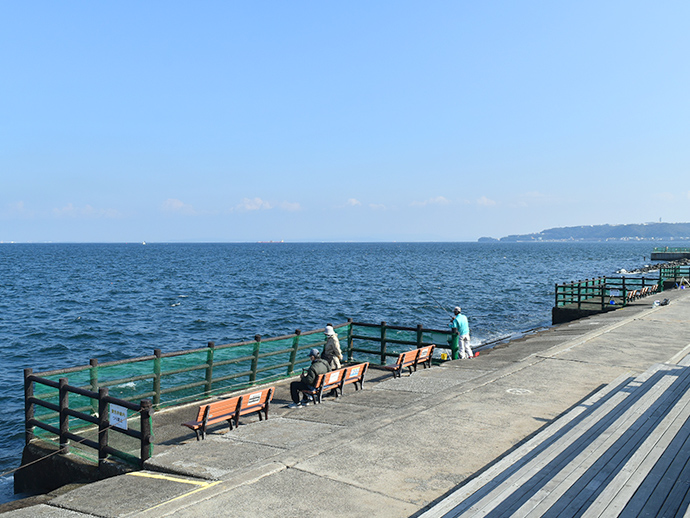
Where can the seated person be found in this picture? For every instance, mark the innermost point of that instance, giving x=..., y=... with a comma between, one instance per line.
x=308, y=379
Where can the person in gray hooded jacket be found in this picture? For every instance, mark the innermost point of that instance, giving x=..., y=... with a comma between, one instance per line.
x=308, y=379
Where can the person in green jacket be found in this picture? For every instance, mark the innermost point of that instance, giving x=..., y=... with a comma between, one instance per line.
x=308, y=379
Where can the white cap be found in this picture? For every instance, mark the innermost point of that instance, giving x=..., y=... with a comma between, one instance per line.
x=329, y=331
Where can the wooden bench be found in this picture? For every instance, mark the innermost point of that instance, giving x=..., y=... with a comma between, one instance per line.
x=230, y=410
x=354, y=374
x=410, y=360
x=336, y=380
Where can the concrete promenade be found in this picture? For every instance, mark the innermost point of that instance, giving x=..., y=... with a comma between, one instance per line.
x=395, y=448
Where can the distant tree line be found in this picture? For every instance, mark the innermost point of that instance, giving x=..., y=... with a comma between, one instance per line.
x=643, y=231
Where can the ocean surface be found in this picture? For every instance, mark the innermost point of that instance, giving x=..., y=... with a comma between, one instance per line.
x=62, y=304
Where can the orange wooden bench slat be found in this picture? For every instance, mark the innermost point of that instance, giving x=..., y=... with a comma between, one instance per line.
x=354, y=374
x=410, y=360
x=230, y=410
x=337, y=379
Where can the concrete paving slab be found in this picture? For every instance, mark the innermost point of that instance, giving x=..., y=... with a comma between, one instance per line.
x=382, y=398
x=439, y=381
x=406, y=456
x=210, y=459
x=295, y=494
x=340, y=412
x=126, y=494
x=281, y=432
x=44, y=511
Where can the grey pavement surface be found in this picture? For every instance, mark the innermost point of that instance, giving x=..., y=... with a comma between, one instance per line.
x=395, y=447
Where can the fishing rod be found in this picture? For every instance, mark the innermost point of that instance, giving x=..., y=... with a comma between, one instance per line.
x=425, y=290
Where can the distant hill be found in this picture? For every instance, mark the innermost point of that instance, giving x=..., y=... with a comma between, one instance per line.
x=634, y=232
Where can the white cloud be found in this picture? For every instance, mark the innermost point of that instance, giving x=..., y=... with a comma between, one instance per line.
x=439, y=200
x=486, y=202
x=177, y=206
x=89, y=212
x=248, y=204
x=377, y=206
x=352, y=202
x=16, y=209
x=290, y=206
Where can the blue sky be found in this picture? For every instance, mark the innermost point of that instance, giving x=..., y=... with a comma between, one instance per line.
x=339, y=121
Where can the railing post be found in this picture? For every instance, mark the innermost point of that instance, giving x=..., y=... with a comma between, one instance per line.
x=103, y=425
x=255, y=360
x=454, y=344
x=419, y=335
x=146, y=436
x=93, y=378
x=349, y=340
x=157, y=376
x=383, y=343
x=293, y=353
x=28, y=406
x=579, y=294
x=209, y=368
x=556, y=290
x=603, y=293
x=64, y=417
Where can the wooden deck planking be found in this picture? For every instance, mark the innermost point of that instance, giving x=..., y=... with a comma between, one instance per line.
x=547, y=444
x=570, y=474
x=513, y=462
x=649, y=464
x=624, y=448
x=569, y=481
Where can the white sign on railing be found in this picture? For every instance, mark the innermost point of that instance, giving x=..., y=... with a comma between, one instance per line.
x=118, y=416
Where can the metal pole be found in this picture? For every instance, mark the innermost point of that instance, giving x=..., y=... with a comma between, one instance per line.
x=103, y=424
x=64, y=417
x=293, y=353
x=383, y=343
x=28, y=406
x=146, y=427
x=255, y=360
x=93, y=378
x=157, y=377
x=209, y=368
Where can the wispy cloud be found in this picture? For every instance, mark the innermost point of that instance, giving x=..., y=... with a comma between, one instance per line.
x=438, y=200
x=377, y=206
x=290, y=206
x=253, y=204
x=173, y=205
x=16, y=209
x=486, y=202
x=250, y=204
x=87, y=211
x=352, y=202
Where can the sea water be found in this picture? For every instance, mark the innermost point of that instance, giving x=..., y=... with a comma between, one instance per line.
x=62, y=304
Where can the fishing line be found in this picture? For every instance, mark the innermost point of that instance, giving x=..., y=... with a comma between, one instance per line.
x=425, y=290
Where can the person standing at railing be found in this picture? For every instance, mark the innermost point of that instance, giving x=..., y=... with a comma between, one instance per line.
x=462, y=325
x=308, y=379
x=331, y=350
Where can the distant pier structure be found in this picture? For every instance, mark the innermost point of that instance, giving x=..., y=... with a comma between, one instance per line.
x=665, y=253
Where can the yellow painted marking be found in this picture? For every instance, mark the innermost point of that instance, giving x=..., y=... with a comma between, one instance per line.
x=203, y=485
x=172, y=479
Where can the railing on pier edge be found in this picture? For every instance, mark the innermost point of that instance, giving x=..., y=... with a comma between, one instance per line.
x=675, y=275
x=671, y=250
x=603, y=292
x=167, y=379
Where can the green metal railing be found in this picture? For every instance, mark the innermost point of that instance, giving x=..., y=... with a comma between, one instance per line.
x=676, y=275
x=138, y=385
x=603, y=292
